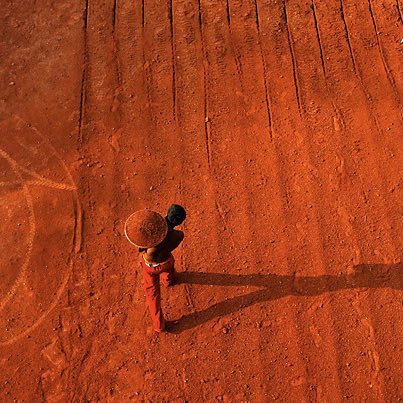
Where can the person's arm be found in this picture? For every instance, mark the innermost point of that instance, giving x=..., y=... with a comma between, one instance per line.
x=175, y=240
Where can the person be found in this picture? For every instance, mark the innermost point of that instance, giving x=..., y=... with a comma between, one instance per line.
x=155, y=241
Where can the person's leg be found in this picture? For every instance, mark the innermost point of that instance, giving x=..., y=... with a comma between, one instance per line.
x=168, y=273
x=153, y=296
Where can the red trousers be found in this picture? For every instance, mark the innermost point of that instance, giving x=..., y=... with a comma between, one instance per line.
x=151, y=276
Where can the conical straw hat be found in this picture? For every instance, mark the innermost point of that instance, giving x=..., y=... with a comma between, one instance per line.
x=146, y=228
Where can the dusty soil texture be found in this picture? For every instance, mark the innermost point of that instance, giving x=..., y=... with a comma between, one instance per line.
x=276, y=124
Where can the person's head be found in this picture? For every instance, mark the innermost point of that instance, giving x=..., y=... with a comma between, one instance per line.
x=176, y=215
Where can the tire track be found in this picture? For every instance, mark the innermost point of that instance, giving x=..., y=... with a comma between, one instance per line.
x=353, y=59
x=268, y=101
x=191, y=102
x=190, y=56
x=347, y=219
x=98, y=192
x=399, y=11
x=168, y=139
x=205, y=93
x=219, y=188
x=336, y=109
x=232, y=43
x=133, y=156
x=336, y=92
x=115, y=3
x=158, y=43
x=118, y=90
x=171, y=27
x=266, y=162
x=214, y=43
x=81, y=116
x=333, y=90
x=375, y=142
x=307, y=221
x=294, y=62
x=161, y=81
x=359, y=73
x=261, y=177
x=228, y=14
x=381, y=53
x=313, y=123
x=287, y=169
x=347, y=34
x=227, y=118
x=322, y=61
x=138, y=172
x=170, y=173
x=142, y=15
x=388, y=25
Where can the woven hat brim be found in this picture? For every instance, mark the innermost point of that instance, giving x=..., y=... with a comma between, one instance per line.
x=154, y=242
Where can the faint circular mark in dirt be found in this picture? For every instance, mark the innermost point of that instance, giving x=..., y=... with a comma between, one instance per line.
x=17, y=231
x=41, y=216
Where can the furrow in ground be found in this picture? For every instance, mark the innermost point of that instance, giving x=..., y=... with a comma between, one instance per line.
x=399, y=10
x=91, y=103
x=385, y=63
x=270, y=224
x=389, y=24
x=195, y=176
x=379, y=90
x=81, y=115
x=367, y=226
x=163, y=168
x=219, y=64
x=106, y=175
x=376, y=153
x=349, y=214
x=322, y=146
x=306, y=239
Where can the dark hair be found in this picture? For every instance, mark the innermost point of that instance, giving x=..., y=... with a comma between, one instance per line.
x=176, y=215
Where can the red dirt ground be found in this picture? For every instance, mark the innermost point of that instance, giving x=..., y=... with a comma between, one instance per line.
x=276, y=123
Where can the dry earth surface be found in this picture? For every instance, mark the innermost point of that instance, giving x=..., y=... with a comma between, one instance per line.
x=276, y=123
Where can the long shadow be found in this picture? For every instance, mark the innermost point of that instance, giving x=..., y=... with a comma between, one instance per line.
x=273, y=286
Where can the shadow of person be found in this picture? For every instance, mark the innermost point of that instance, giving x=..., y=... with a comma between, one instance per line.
x=273, y=286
